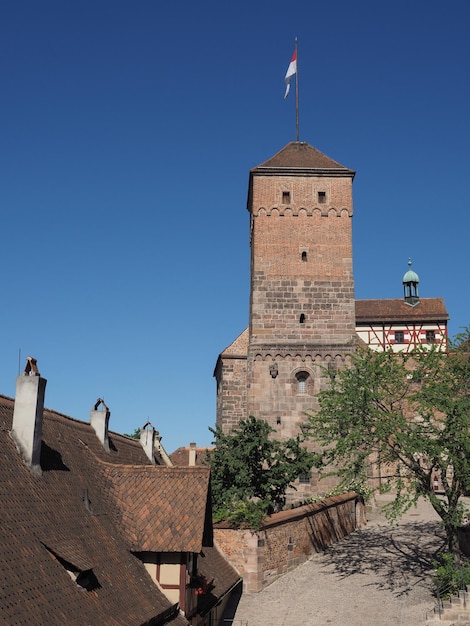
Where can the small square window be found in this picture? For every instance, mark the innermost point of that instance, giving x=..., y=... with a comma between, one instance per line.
x=399, y=336
x=286, y=197
x=321, y=197
x=430, y=336
x=304, y=479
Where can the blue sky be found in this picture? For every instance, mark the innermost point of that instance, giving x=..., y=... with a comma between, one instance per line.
x=127, y=133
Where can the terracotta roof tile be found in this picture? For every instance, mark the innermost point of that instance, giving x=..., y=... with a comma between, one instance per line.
x=239, y=347
x=428, y=309
x=301, y=156
x=162, y=509
x=180, y=457
x=75, y=516
x=209, y=561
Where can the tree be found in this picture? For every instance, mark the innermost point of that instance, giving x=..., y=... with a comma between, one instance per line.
x=410, y=416
x=134, y=435
x=250, y=471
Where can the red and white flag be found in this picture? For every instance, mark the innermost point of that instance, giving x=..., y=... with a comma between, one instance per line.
x=291, y=70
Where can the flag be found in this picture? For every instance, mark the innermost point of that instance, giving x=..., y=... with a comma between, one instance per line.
x=291, y=70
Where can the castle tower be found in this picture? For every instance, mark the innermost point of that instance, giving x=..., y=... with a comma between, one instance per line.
x=302, y=313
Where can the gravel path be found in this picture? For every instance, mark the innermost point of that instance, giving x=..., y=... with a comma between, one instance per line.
x=378, y=576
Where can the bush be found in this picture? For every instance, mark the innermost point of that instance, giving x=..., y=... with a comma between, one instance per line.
x=450, y=577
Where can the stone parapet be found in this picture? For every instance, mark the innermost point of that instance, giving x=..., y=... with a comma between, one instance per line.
x=288, y=538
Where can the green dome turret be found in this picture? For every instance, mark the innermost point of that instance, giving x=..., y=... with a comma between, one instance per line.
x=410, y=286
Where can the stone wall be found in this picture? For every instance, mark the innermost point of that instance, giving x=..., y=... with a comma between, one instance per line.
x=288, y=538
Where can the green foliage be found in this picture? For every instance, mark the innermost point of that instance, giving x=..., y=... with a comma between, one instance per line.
x=449, y=577
x=243, y=513
x=134, y=435
x=409, y=415
x=250, y=471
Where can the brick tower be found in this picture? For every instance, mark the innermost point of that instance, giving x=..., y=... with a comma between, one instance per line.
x=302, y=310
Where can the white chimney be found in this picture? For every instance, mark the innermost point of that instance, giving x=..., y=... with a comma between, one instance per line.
x=192, y=454
x=28, y=413
x=99, y=419
x=147, y=440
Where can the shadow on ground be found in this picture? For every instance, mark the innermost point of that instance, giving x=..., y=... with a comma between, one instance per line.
x=400, y=557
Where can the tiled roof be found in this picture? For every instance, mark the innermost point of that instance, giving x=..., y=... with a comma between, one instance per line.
x=180, y=457
x=162, y=509
x=395, y=310
x=210, y=561
x=239, y=347
x=301, y=156
x=67, y=519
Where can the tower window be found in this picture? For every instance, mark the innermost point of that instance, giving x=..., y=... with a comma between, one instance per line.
x=399, y=336
x=430, y=336
x=302, y=318
x=286, y=197
x=302, y=378
x=321, y=197
x=304, y=256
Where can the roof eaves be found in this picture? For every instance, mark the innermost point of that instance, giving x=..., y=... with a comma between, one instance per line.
x=302, y=171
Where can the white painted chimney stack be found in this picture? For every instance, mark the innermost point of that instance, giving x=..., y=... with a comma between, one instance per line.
x=147, y=440
x=28, y=413
x=192, y=455
x=99, y=419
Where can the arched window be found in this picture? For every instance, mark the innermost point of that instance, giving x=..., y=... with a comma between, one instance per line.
x=302, y=318
x=302, y=378
x=304, y=255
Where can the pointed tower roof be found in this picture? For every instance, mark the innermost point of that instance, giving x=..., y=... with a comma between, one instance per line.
x=301, y=158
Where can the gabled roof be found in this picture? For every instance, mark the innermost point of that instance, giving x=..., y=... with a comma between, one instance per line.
x=300, y=157
x=75, y=518
x=162, y=509
x=396, y=310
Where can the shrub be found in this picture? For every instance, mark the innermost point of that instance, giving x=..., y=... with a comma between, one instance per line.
x=450, y=576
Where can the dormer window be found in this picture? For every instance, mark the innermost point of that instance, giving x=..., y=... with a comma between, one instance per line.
x=82, y=575
x=286, y=197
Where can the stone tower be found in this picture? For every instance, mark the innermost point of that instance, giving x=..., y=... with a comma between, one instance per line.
x=302, y=310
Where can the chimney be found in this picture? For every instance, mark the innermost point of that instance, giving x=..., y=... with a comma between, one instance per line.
x=27, y=415
x=161, y=452
x=192, y=455
x=99, y=419
x=147, y=440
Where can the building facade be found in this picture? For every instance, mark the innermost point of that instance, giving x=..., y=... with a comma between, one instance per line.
x=304, y=320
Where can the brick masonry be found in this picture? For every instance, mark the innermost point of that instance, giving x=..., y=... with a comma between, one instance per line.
x=287, y=539
x=302, y=308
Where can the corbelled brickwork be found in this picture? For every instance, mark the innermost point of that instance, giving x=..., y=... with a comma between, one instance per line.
x=288, y=538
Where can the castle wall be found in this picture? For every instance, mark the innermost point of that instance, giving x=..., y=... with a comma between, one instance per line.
x=231, y=407
x=287, y=539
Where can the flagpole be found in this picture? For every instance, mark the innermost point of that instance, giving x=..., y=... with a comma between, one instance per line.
x=297, y=93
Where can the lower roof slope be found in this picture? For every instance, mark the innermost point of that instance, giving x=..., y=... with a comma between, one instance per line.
x=62, y=522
